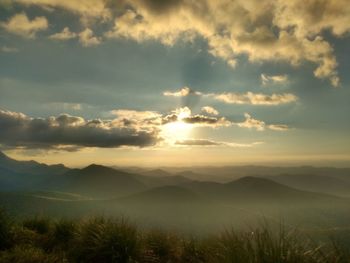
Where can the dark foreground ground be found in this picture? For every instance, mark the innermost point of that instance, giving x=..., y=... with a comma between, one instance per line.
x=99, y=239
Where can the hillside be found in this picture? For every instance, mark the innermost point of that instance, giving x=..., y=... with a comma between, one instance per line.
x=94, y=181
x=30, y=167
x=228, y=173
x=97, y=181
x=254, y=190
x=164, y=195
x=315, y=183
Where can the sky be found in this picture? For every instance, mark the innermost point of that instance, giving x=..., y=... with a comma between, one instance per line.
x=179, y=82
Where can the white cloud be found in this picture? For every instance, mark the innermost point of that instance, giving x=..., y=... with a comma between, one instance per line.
x=86, y=8
x=259, y=125
x=273, y=79
x=211, y=143
x=251, y=123
x=87, y=38
x=289, y=31
x=210, y=110
x=238, y=98
x=254, y=98
x=185, y=91
x=185, y=115
x=65, y=106
x=65, y=34
x=21, y=25
x=278, y=127
x=140, y=115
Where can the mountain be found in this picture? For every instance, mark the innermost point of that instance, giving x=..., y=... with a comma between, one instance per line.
x=257, y=189
x=228, y=173
x=93, y=181
x=315, y=183
x=165, y=195
x=155, y=181
x=242, y=191
x=30, y=167
x=195, y=176
x=25, y=175
x=156, y=173
x=254, y=190
x=97, y=181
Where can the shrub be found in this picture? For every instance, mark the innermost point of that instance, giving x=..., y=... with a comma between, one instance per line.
x=106, y=240
x=38, y=224
x=193, y=251
x=63, y=233
x=262, y=245
x=5, y=230
x=28, y=254
x=159, y=246
x=103, y=240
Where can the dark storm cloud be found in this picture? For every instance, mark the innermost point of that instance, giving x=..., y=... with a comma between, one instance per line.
x=19, y=130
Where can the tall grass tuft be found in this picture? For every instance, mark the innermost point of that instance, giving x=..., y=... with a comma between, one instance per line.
x=29, y=254
x=40, y=225
x=159, y=246
x=5, y=230
x=106, y=240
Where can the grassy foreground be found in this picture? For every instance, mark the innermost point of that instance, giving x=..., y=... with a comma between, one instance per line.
x=117, y=240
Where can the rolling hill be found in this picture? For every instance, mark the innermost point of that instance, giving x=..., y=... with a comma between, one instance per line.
x=315, y=183
x=96, y=181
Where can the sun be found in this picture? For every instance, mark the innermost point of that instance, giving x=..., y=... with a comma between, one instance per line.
x=179, y=130
x=176, y=131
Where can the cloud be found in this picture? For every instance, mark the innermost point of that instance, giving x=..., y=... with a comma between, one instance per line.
x=65, y=34
x=185, y=115
x=278, y=127
x=252, y=123
x=87, y=38
x=139, y=115
x=210, y=110
x=273, y=79
x=254, y=98
x=137, y=119
x=238, y=98
x=288, y=31
x=65, y=106
x=185, y=91
x=21, y=25
x=86, y=8
x=19, y=130
x=197, y=142
x=202, y=120
x=205, y=142
x=259, y=125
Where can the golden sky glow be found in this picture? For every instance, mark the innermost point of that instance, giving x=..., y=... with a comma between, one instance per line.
x=212, y=81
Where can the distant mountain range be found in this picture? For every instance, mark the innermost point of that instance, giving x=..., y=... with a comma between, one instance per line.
x=28, y=187
x=99, y=181
x=337, y=185
x=96, y=181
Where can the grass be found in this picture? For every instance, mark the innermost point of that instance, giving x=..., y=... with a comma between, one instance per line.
x=99, y=239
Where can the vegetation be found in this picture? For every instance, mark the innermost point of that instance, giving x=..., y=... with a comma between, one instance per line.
x=117, y=240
